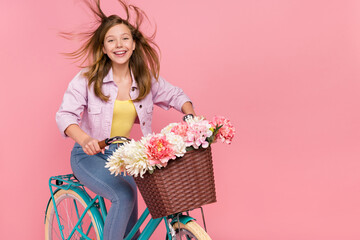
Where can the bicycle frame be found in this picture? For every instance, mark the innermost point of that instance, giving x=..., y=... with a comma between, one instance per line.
x=97, y=203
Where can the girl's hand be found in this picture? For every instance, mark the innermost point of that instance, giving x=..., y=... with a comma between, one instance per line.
x=91, y=146
x=187, y=108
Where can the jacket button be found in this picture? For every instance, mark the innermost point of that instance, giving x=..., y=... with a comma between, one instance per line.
x=140, y=106
x=143, y=123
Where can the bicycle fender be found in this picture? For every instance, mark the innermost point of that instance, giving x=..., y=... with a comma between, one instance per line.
x=184, y=219
x=47, y=206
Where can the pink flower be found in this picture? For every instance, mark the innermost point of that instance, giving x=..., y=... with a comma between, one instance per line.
x=226, y=132
x=180, y=129
x=159, y=150
x=197, y=133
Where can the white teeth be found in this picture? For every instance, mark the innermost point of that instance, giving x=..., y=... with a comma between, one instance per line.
x=121, y=52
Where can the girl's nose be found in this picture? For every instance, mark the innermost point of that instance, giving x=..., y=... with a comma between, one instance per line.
x=118, y=43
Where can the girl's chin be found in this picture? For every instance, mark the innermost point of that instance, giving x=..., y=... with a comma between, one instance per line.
x=120, y=62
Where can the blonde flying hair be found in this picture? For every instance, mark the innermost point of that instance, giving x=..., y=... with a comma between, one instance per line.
x=144, y=61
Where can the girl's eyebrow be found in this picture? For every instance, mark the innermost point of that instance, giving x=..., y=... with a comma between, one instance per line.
x=113, y=35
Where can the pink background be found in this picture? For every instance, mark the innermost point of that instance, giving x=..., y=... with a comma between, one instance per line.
x=285, y=72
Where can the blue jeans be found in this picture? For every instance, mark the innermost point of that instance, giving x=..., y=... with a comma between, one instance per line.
x=120, y=190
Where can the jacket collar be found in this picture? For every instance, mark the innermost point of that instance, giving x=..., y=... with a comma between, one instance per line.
x=110, y=78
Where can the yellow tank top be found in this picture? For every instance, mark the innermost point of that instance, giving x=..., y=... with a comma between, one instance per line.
x=123, y=118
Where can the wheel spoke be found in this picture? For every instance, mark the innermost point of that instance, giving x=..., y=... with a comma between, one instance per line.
x=68, y=217
x=69, y=208
x=53, y=229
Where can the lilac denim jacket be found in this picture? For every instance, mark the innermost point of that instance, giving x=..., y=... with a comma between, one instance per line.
x=81, y=106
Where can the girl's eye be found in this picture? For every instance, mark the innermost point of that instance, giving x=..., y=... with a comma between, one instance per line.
x=126, y=38
x=110, y=40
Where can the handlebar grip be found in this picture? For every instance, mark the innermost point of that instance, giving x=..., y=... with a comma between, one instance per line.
x=108, y=141
x=102, y=144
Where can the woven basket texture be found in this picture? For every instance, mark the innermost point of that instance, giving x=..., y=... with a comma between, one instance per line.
x=185, y=183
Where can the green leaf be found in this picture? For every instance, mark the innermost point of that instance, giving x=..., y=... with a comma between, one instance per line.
x=188, y=149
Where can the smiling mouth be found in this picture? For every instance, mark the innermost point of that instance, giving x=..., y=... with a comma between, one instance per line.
x=120, y=53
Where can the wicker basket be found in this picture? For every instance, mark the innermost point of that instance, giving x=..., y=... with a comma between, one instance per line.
x=185, y=183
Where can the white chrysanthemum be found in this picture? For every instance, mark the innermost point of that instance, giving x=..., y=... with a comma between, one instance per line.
x=168, y=128
x=178, y=144
x=115, y=163
x=146, y=138
x=195, y=119
x=130, y=157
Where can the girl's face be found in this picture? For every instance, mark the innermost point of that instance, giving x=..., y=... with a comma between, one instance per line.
x=119, y=44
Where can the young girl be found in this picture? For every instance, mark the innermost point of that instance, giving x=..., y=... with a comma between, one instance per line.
x=118, y=88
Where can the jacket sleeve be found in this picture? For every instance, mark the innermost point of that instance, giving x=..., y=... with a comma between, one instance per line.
x=166, y=95
x=73, y=103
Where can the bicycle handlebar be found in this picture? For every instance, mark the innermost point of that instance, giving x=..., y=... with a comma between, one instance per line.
x=109, y=141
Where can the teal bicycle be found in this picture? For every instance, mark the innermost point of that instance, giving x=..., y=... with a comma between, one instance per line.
x=72, y=214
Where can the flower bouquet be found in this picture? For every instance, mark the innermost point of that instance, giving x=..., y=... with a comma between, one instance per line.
x=173, y=169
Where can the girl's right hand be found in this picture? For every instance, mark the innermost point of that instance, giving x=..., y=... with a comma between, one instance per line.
x=91, y=146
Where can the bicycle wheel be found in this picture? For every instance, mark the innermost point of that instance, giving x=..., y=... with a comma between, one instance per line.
x=70, y=207
x=190, y=230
